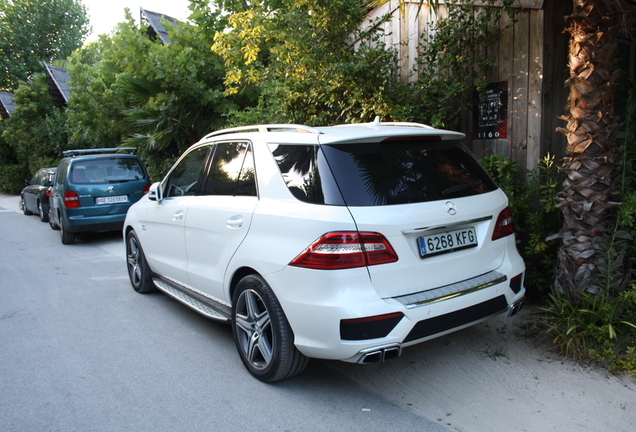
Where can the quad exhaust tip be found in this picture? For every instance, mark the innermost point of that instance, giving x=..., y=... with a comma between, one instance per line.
x=381, y=354
x=514, y=308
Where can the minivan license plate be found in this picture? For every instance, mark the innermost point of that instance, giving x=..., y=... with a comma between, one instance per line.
x=449, y=241
x=111, y=199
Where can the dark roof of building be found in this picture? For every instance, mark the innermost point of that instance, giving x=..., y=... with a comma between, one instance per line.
x=155, y=27
x=59, y=87
x=6, y=104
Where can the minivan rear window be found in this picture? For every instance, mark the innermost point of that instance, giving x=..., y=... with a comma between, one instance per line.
x=386, y=173
x=106, y=170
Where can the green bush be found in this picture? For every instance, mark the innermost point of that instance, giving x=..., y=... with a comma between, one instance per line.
x=157, y=163
x=599, y=327
x=536, y=217
x=12, y=178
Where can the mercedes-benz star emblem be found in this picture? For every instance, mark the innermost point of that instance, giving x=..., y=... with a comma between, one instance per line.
x=450, y=208
x=111, y=189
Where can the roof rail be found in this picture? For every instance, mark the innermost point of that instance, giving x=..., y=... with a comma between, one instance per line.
x=377, y=122
x=265, y=128
x=73, y=153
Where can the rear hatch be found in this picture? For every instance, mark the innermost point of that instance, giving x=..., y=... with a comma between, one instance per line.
x=108, y=185
x=431, y=199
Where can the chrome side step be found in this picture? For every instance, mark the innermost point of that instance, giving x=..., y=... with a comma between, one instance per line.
x=191, y=302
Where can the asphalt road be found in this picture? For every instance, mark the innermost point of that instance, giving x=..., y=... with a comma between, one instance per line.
x=81, y=351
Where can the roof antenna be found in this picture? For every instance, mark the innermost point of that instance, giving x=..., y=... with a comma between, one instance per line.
x=376, y=122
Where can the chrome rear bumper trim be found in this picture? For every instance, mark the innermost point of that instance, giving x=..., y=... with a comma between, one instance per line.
x=446, y=292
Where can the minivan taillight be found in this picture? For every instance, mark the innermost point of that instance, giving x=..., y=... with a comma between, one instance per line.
x=343, y=250
x=505, y=224
x=71, y=200
x=146, y=189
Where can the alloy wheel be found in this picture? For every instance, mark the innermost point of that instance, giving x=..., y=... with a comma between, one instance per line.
x=254, y=329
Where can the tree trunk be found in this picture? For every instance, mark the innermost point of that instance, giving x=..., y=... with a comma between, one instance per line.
x=586, y=258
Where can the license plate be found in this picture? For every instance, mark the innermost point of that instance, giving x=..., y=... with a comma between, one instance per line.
x=447, y=242
x=111, y=199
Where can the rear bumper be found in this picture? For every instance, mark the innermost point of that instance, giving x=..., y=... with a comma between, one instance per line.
x=376, y=354
x=343, y=318
x=78, y=224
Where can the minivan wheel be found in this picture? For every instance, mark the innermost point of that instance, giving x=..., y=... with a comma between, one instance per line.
x=24, y=208
x=44, y=215
x=138, y=269
x=67, y=237
x=262, y=334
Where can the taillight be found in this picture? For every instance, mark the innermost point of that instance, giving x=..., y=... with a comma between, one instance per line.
x=48, y=192
x=146, y=189
x=505, y=224
x=342, y=250
x=71, y=200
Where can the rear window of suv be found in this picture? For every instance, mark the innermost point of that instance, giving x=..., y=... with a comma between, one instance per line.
x=385, y=173
x=106, y=170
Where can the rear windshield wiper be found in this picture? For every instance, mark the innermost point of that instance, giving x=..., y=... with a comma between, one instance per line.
x=460, y=188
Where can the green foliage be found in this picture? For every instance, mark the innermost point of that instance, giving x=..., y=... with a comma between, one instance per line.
x=627, y=210
x=450, y=62
x=536, y=218
x=158, y=98
x=12, y=178
x=7, y=153
x=157, y=163
x=541, y=220
x=95, y=114
x=506, y=174
x=34, y=31
x=37, y=130
x=12, y=174
x=597, y=327
x=311, y=63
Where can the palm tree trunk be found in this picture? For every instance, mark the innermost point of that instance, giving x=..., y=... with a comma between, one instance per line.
x=592, y=155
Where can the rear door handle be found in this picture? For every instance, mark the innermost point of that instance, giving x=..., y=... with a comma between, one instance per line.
x=235, y=222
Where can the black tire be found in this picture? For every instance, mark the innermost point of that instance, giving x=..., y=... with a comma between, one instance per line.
x=67, y=237
x=262, y=334
x=138, y=269
x=24, y=207
x=44, y=213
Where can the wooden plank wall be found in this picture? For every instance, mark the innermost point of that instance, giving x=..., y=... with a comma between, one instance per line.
x=520, y=57
x=555, y=91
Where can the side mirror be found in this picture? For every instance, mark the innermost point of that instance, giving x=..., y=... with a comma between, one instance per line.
x=155, y=193
x=27, y=183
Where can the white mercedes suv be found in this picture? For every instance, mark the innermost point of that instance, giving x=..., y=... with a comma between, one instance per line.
x=347, y=242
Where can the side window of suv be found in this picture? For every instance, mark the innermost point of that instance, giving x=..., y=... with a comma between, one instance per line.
x=231, y=171
x=185, y=176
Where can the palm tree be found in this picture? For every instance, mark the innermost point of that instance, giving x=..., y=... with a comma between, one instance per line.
x=587, y=261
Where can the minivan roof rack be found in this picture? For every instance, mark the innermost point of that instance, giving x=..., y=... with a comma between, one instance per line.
x=265, y=128
x=73, y=153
